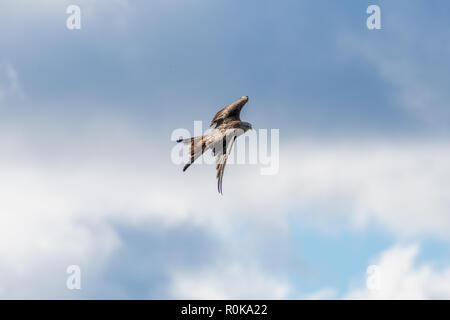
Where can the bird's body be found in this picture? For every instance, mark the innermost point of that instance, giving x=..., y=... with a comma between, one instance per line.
x=228, y=127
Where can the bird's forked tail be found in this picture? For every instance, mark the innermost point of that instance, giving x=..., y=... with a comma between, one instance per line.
x=198, y=146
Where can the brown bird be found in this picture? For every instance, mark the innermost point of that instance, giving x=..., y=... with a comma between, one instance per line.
x=228, y=127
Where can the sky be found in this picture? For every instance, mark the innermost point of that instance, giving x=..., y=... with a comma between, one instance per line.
x=86, y=176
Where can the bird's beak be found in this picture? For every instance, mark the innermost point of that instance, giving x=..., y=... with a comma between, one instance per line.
x=251, y=127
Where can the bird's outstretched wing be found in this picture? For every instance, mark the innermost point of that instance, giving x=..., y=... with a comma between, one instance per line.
x=229, y=113
x=221, y=152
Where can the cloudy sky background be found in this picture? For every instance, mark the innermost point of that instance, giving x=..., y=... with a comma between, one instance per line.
x=86, y=177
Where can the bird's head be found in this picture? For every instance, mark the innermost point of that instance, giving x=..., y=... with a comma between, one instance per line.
x=246, y=126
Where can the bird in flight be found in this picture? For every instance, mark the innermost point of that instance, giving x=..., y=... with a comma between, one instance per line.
x=220, y=140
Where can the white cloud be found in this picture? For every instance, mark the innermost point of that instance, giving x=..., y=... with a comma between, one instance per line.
x=61, y=195
x=228, y=281
x=399, y=185
x=401, y=277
